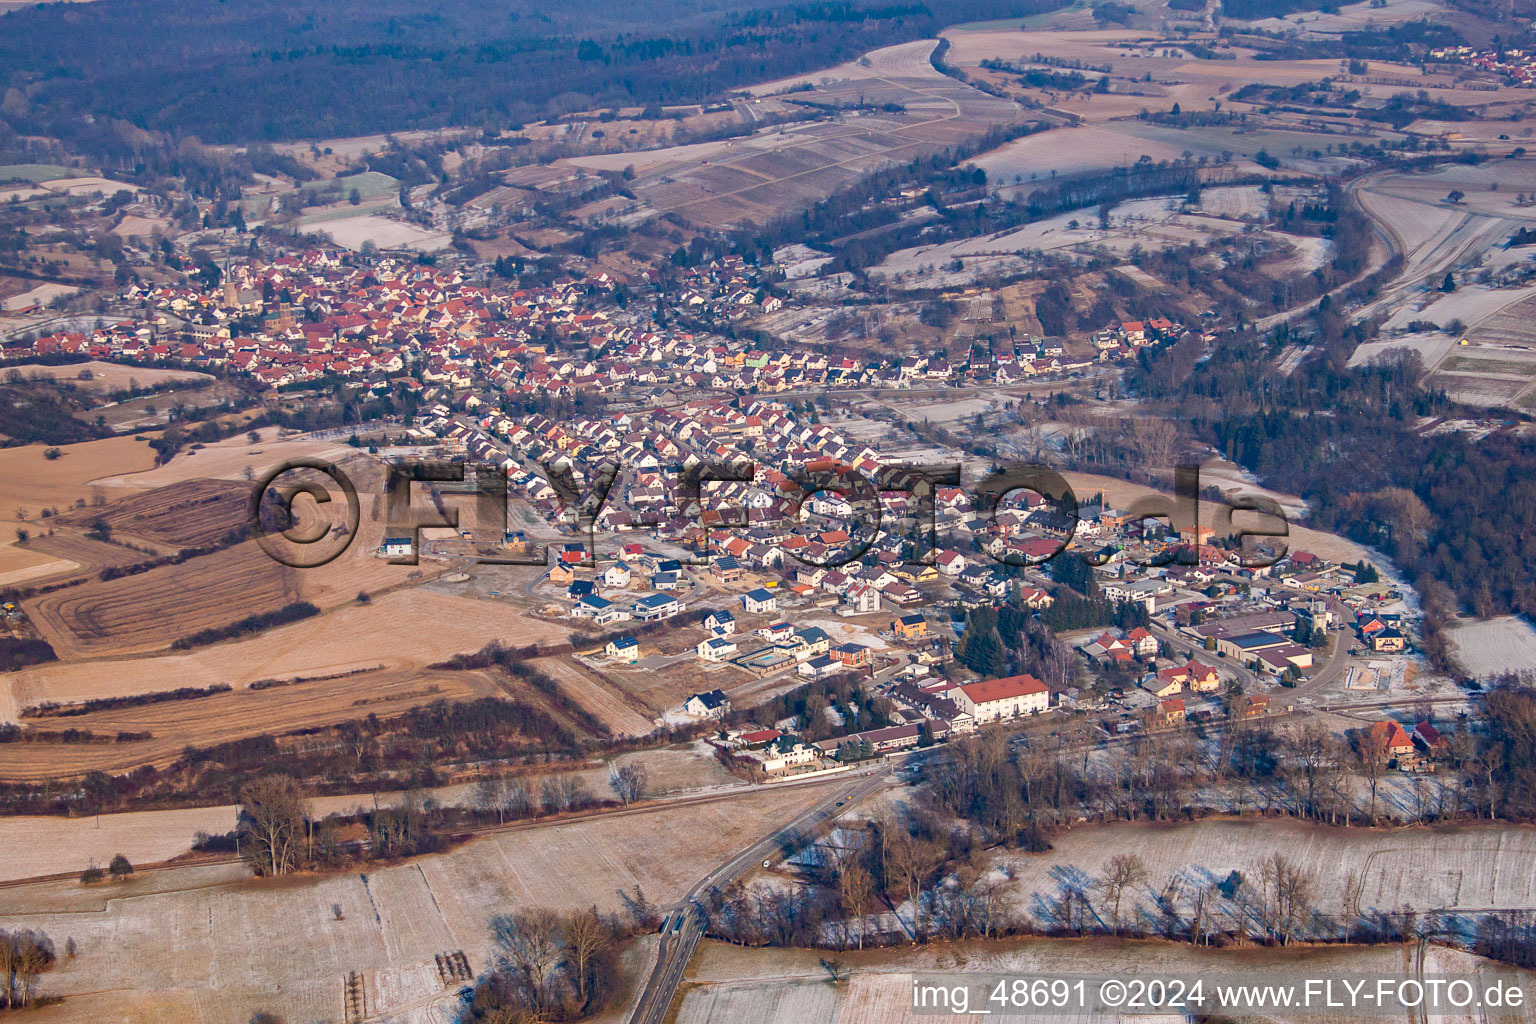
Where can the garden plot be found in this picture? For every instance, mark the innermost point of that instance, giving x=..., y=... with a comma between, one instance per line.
x=1502, y=644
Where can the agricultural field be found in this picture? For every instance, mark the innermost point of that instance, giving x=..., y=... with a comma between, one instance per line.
x=221, y=718
x=245, y=946
x=1478, y=390
x=1509, y=327
x=727, y=983
x=403, y=629
x=1157, y=223
x=613, y=705
x=187, y=515
x=1348, y=18
x=229, y=459
x=354, y=232
x=148, y=611
x=1491, y=646
x=159, y=408
x=1468, y=868
x=34, y=847
x=105, y=377
x=1029, y=161
x=79, y=553
x=31, y=483
x=758, y=177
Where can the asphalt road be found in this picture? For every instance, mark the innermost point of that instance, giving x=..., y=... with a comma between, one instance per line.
x=683, y=926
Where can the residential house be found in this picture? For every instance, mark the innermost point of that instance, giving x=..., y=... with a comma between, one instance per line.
x=851, y=655
x=1388, y=641
x=716, y=648
x=655, y=607
x=1389, y=738
x=1170, y=712
x=711, y=704
x=760, y=601
x=995, y=699
x=623, y=648
x=1162, y=685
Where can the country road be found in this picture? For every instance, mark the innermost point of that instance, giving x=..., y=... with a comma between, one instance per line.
x=683, y=926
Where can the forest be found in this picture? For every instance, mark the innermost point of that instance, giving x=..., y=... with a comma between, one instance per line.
x=1456, y=515
x=277, y=70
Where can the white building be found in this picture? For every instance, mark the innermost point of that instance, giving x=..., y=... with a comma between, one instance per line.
x=716, y=648
x=994, y=699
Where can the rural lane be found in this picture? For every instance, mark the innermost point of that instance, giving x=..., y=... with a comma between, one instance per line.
x=683, y=927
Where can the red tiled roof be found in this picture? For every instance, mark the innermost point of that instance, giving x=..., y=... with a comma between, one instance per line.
x=1002, y=689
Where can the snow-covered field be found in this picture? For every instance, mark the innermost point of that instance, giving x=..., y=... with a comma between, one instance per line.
x=728, y=984
x=1470, y=869
x=41, y=295
x=352, y=232
x=219, y=948
x=1471, y=304
x=1504, y=644
x=1430, y=345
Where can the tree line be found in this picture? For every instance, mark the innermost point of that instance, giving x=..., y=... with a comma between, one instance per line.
x=273, y=71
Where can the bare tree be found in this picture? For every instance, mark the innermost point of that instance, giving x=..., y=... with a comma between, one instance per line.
x=530, y=946
x=1121, y=872
x=1311, y=754
x=628, y=781
x=854, y=887
x=24, y=957
x=914, y=860
x=1490, y=762
x=561, y=793
x=503, y=795
x=1200, y=916
x=1287, y=896
x=585, y=935
x=1371, y=758
x=272, y=824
